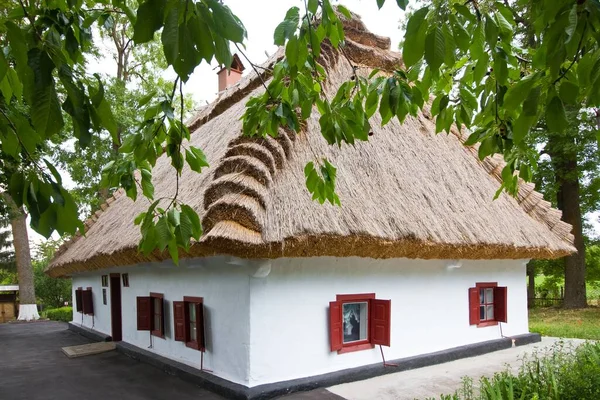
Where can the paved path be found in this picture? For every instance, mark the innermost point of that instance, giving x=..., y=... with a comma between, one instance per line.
x=438, y=379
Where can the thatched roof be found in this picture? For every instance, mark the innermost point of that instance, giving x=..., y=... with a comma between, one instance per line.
x=407, y=192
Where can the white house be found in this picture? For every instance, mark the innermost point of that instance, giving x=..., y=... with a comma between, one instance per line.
x=282, y=293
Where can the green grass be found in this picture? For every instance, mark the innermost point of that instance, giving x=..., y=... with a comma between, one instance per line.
x=582, y=324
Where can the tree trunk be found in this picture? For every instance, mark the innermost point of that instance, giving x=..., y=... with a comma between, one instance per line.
x=566, y=172
x=27, y=305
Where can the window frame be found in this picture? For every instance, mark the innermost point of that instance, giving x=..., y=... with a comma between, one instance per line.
x=104, y=280
x=160, y=332
x=378, y=322
x=487, y=285
x=198, y=344
x=125, y=280
x=358, y=345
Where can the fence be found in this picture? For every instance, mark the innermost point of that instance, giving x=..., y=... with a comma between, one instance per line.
x=547, y=299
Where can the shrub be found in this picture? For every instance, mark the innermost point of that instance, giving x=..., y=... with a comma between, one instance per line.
x=559, y=373
x=64, y=314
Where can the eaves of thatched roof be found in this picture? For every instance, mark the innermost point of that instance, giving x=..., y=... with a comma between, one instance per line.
x=407, y=192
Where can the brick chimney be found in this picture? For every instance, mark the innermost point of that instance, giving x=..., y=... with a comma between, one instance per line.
x=231, y=77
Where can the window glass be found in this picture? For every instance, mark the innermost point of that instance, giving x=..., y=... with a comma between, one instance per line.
x=489, y=312
x=489, y=295
x=192, y=326
x=355, y=321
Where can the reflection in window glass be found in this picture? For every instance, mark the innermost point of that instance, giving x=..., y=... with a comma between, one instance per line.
x=486, y=301
x=355, y=321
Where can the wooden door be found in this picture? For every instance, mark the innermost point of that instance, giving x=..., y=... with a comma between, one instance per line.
x=115, y=307
x=7, y=312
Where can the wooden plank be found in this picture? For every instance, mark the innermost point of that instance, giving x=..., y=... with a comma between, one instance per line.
x=88, y=349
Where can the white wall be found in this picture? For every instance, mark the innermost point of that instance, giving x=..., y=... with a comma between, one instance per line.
x=100, y=321
x=430, y=312
x=263, y=330
x=225, y=290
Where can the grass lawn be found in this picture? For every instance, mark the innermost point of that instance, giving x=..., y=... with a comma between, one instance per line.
x=583, y=324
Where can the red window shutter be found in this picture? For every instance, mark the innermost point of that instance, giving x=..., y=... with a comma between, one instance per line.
x=381, y=316
x=500, y=304
x=335, y=325
x=144, y=313
x=79, y=300
x=200, y=327
x=88, y=304
x=179, y=320
x=473, y=306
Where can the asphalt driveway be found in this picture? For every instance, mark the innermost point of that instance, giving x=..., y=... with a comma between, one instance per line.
x=33, y=367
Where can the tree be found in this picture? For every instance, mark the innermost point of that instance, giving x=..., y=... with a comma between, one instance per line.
x=463, y=55
x=52, y=292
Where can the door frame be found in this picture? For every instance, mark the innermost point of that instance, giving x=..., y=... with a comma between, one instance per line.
x=116, y=313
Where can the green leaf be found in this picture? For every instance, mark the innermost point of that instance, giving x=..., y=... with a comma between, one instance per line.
x=200, y=33
x=188, y=213
x=414, y=39
x=491, y=31
x=380, y=3
x=572, y=25
x=569, y=92
x=163, y=233
x=287, y=28
x=46, y=114
x=402, y=4
x=3, y=65
x=291, y=51
x=227, y=25
x=150, y=15
x=195, y=158
x=556, y=118
x=371, y=103
x=488, y=147
x=477, y=48
x=519, y=91
x=10, y=143
x=435, y=48
x=178, y=44
x=27, y=135
x=313, y=5
x=104, y=112
x=147, y=186
x=344, y=11
x=522, y=126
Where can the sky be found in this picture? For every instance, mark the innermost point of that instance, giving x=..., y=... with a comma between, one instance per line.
x=260, y=18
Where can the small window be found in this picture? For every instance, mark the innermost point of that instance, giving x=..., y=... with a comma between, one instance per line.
x=88, y=302
x=125, y=280
x=158, y=315
x=79, y=299
x=359, y=322
x=487, y=304
x=104, y=296
x=104, y=280
x=188, y=318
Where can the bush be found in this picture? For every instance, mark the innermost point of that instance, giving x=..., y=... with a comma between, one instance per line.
x=559, y=373
x=64, y=314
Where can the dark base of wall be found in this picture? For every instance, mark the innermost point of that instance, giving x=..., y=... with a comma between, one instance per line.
x=89, y=333
x=232, y=390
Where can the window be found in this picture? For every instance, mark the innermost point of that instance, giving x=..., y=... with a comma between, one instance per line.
x=188, y=316
x=104, y=296
x=358, y=322
x=151, y=314
x=87, y=301
x=79, y=299
x=125, y=280
x=487, y=304
x=158, y=315
x=104, y=280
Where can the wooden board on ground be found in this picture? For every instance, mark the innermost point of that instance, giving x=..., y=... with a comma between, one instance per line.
x=88, y=349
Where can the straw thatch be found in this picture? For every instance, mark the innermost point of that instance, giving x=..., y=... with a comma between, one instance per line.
x=407, y=192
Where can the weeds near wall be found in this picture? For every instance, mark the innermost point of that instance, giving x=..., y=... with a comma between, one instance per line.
x=561, y=372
